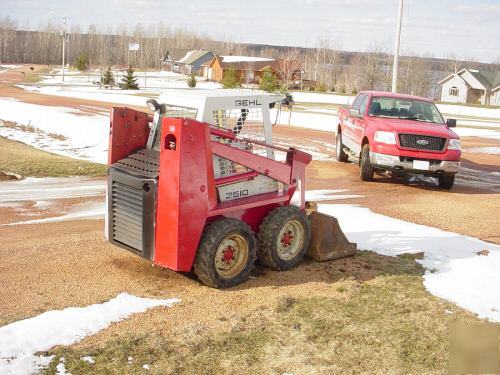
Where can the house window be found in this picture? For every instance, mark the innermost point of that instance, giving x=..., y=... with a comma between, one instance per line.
x=453, y=91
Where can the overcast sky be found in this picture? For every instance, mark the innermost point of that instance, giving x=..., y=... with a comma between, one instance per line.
x=464, y=28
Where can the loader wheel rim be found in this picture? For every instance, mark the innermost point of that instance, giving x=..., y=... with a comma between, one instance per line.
x=231, y=256
x=290, y=239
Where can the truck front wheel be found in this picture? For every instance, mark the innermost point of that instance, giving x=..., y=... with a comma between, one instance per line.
x=340, y=153
x=366, y=171
x=446, y=181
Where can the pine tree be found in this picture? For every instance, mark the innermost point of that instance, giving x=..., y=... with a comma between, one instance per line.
x=191, y=81
x=82, y=62
x=108, y=79
x=268, y=81
x=129, y=82
x=230, y=80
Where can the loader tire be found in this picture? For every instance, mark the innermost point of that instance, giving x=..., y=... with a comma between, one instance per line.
x=366, y=168
x=226, y=254
x=283, y=238
x=340, y=154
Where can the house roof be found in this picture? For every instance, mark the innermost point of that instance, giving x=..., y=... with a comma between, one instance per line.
x=487, y=78
x=231, y=58
x=491, y=77
x=193, y=56
x=175, y=54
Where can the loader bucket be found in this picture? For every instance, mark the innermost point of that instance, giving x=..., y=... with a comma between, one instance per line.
x=328, y=241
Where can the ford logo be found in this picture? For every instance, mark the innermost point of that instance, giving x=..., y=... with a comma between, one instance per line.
x=422, y=142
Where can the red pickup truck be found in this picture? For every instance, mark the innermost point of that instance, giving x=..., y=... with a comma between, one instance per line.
x=399, y=133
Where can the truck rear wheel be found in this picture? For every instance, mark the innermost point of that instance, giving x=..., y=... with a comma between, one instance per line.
x=446, y=181
x=366, y=171
x=340, y=153
x=283, y=238
x=226, y=254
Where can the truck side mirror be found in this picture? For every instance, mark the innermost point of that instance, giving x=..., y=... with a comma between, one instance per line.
x=451, y=122
x=353, y=112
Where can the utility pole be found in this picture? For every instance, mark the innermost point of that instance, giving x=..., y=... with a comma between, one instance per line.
x=63, y=33
x=396, y=49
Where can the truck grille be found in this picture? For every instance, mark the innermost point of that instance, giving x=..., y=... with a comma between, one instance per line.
x=126, y=207
x=422, y=142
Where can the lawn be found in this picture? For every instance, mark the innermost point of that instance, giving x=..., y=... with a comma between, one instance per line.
x=24, y=160
x=378, y=318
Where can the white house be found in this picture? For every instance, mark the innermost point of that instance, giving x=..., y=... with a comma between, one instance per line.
x=495, y=95
x=471, y=86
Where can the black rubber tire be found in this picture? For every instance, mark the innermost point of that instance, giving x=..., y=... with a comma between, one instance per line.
x=269, y=230
x=213, y=235
x=340, y=154
x=366, y=169
x=446, y=181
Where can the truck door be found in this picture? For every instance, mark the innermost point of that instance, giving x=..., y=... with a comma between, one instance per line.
x=348, y=132
x=359, y=124
x=353, y=126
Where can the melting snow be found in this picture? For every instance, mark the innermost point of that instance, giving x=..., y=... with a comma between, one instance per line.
x=49, y=188
x=484, y=150
x=84, y=136
x=20, y=341
x=88, y=359
x=86, y=211
x=454, y=269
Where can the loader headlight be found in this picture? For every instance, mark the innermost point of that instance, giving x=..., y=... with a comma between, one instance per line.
x=385, y=137
x=454, y=144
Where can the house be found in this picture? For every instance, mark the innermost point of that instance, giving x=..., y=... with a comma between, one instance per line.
x=172, y=55
x=186, y=61
x=250, y=69
x=471, y=86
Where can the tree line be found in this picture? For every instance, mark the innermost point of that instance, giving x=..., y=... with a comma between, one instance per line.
x=326, y=65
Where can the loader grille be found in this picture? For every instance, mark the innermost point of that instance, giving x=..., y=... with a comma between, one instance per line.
x=126, y=207
x=422, y=142
x=144, y=162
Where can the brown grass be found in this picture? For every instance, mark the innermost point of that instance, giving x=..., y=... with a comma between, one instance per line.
x=19, y=158
x=31, y=129
x=387, y=324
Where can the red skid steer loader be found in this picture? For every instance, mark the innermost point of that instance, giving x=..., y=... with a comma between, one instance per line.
x=200, y=186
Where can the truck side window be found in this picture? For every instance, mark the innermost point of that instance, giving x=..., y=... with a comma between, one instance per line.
x=357, y=101
x=364, y=102
x=360, y=103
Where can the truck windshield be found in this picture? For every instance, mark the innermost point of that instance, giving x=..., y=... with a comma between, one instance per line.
x=405, y=109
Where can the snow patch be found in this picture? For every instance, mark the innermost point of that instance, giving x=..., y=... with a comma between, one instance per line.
x=232, y=58
x=88, y=359
x=475, y=132
x=316, y=121
x=50, y=188
x=454, y=269
x=84, y=136
x=85, y=211
x=21, y=340
x=484, y=150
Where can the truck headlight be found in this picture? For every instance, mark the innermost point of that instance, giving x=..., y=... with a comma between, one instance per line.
x=454, y=144
x=385, y=137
